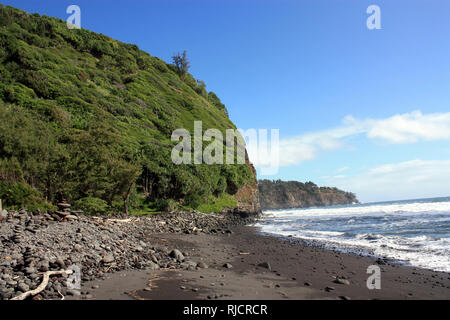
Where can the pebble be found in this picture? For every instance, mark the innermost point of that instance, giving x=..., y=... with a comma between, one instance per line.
x=265, y=265
x=73, y=292
x=23, y=287
x=152, y=266
x=36, y=242
x=342, y=281
x=176, y=254
x=108, y=258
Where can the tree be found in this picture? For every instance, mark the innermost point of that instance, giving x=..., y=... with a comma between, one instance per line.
x=181, y=63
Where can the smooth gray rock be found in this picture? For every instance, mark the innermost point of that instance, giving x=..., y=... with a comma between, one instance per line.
x=152, y=265
x=175, y=253
x=265, y=265
x=202, y=265
x=73, y=292
x=23, y=287
x=108, y=258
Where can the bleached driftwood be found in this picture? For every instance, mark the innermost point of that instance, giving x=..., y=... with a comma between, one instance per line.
x=43, y=285
x=119, y=220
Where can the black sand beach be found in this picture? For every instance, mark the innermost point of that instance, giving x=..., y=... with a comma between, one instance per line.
x=189, y=255
x=296, y=271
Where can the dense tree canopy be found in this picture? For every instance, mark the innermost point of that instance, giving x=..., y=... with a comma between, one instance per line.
x=280, y=194
x=83, y=116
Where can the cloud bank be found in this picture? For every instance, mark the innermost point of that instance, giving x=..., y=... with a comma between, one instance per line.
x=399, y=129
x=396, y=181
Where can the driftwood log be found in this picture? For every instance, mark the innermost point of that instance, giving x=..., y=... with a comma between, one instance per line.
x=43, y=285
x=119, y=220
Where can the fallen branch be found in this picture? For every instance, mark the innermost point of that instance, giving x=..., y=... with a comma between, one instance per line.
x=119, y=220
x=43, y=285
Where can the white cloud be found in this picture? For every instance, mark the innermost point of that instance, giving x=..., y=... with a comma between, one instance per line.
x=412, y=127
x=402, y=128
x=396, y=181
x=343, y=169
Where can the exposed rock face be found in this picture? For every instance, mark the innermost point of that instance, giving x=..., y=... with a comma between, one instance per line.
x=293, y=194
x=248, y=195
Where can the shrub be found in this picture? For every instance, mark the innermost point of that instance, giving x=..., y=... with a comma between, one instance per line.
x=166, y=205
x=18, y=195
x=80, y=111
x=218, y=204
x=92, y=205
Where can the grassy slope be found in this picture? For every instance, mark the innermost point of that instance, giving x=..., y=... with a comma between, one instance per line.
x=85, y=92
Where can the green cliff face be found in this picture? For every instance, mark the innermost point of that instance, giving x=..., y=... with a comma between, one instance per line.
x=293, y=194
x=88, y=118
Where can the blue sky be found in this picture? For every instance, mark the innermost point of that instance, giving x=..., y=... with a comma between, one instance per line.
x=364, y=110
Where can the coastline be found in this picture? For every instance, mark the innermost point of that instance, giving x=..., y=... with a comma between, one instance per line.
x=297, y=271
x=190, y=256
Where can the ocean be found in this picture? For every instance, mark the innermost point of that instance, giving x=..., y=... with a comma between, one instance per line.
x=412, y=232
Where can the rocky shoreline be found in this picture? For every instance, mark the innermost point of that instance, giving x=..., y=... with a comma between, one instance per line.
x=188, y=255
x=33, y=243
x=249, y=265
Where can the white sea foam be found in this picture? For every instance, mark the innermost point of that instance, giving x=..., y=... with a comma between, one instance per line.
x=416, y=233
x=392, y=208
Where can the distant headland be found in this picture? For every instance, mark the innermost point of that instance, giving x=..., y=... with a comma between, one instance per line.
x=279, y=194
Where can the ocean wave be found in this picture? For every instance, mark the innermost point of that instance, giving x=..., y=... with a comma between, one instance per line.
x=414, y=233
x=391, y=208
x=421, y=251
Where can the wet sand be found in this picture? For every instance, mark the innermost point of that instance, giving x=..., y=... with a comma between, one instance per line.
x=297, y=271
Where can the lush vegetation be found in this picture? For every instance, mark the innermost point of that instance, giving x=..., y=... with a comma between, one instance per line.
x=293, y=194
x=89, y=119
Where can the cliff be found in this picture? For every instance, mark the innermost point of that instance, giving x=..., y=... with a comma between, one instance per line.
x=293, y=194
x=248, y=195
x=89, y=119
